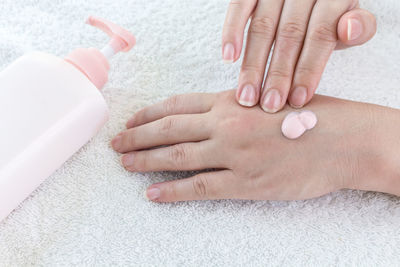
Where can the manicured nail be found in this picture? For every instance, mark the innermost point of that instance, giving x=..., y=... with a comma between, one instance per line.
x=127, y=160
x=117, y=142
x=272, y=101
x=248, y=96
x=152, y=193
x=298, y=97
x=229, y=53
x=354, y=29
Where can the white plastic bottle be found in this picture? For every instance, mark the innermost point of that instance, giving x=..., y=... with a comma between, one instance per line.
x=49, y=108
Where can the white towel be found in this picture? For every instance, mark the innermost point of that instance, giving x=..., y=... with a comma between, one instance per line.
x=92, y=212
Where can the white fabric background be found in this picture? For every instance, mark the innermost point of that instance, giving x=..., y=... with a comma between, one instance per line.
x=92, y=211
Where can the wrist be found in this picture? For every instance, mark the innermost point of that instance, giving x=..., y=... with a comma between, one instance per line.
x=374, y=148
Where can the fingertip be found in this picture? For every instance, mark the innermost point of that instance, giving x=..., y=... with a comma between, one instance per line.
x=145, y=195
x=247, y=96
x=127, y=161
x=228, y=53
x=130, y=123
x=272, y=101
x=163, y=192
x=152, y=193
x=116, y=142
x=298, y=98
x=356, y=27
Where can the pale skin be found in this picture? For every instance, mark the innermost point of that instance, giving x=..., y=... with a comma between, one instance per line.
x=354, y=145
x=304, y=32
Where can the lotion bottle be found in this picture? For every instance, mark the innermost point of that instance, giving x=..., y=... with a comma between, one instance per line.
x=49, y=108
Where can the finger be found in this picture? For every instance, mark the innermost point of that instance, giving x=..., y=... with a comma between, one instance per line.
x=180, y=157
x=236, y=19
x=209, y=185
x=260, y=37
x=356, y=27
x=320, y=41
x=166, y=131
x=289, y=41
x=179, y=104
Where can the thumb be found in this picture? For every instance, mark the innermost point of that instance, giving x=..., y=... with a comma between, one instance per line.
x=355, y=27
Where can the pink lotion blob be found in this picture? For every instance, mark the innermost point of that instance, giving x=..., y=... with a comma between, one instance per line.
x=296, y=123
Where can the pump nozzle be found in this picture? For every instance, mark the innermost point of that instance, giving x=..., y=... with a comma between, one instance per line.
x=93, y=62
x=121, y=39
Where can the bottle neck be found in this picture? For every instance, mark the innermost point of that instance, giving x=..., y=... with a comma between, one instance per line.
x=93, y=63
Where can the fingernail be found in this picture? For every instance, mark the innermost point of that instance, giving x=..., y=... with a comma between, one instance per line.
x=298, y=97
x=272, y=101
x=354, y=29
x=116, y=142
x=248, y=96
x=152, y=193
x=229, y=53
x=127, y=160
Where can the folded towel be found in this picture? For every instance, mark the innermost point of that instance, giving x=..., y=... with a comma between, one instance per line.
x=92, y=212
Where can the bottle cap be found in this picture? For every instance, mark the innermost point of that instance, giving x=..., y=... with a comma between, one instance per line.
x=94, y=62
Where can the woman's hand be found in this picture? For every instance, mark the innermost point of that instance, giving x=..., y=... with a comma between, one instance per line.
x=305, y=33
x=251, y=157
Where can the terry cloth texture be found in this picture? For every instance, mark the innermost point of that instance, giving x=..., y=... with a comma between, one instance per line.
x=91, y=212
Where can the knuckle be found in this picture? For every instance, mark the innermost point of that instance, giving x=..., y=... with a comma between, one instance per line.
x=222, y=97
x=293, y=31
x=307, y=71
x=178, y=154
x=235, y=4
x=128, y=139
x=335, y=5
x=241, y=4
x=171, y=104
x=240, y=124
x=167, y=124
x=171, y=191
x=262, y=26
x=229, y=123
x=280, y=73
x=251, y=67
x=340, y=5
x=200, y=186
x=325, y=33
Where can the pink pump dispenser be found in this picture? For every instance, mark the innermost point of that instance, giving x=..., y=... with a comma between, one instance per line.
x=93, y=62
x=49, y=108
